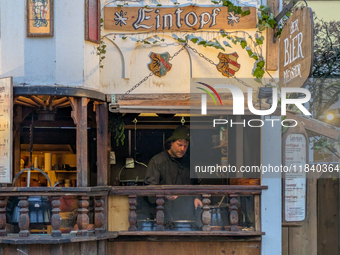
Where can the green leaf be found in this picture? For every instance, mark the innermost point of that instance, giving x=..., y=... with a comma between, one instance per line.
x=271, y=23
x=146, y=42
x=245, y=13
x=124, y=37
x=159, y=5
x=250, y=52
x=181, y=40
x=202, y=42
x=260, y=64
x=243, y=44
x=258, y=73
x=258, y=80
x=259, y=41
x=154, y=42
x=194, y=40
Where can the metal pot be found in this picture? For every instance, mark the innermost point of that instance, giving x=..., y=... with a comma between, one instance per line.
x=185, y=225
x=219, y=216
x=146, y=225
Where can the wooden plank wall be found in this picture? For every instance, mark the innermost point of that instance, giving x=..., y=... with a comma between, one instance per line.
x=302, y=239
x=118, y=213
x=328, y=216
x=83, y=248
x=187, y=248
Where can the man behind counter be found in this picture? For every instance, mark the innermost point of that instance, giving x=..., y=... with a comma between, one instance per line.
x=171, y=167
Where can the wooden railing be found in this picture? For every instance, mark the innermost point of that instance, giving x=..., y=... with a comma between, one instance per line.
x=100, y=195
x=83, y=195
x=206, y=191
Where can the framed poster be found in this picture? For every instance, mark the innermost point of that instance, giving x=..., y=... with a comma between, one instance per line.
x=39, y=18
x=295, y=180
x=295, y=146
x=92, y=21
x=6, y=134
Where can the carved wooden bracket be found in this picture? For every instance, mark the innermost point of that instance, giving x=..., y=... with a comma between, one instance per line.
x=75, y=107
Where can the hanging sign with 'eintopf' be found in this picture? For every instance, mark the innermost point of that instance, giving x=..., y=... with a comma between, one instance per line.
x=296, y=49
x=189, y=18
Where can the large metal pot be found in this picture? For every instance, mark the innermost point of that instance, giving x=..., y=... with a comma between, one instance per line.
x=219, y=215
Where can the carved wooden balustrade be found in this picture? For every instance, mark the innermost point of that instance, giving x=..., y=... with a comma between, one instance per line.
x=55, y=193
x=205, y=191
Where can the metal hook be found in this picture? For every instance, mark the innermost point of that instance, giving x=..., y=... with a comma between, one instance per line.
x=182, y=120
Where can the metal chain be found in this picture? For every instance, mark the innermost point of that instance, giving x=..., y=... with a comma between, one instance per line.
x=172, y=57
x=152, y=73
x=213, y=63
x=201, y=55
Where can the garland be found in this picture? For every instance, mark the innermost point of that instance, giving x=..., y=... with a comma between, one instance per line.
x=251, y=45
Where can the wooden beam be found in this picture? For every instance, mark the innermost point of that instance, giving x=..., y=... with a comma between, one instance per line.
x=316, y=126
x=80, y=105
x=59, y=101
x=38, y=101
x=102, y=144
x=239, y=146
x=16, y=140
x=257, y=209
x=272, y=49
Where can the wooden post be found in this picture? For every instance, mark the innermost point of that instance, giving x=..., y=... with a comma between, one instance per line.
x=24, y=219
x=3, y=203
x=272, y=49
x=160, y=213
x=257, y=210
x=83, y=219
x=56, y=219
x=102, y=142
x=79, y=116
x=233, y=212
x=16, y=141
x=99, y=218
x=132, y=214
x=206, y=216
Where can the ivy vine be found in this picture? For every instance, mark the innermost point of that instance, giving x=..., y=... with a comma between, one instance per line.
x=251, y=45
x=101, y=49
x=116, y=127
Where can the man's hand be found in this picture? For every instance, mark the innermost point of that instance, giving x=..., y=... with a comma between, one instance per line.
x=171, y=197
x=198, y=203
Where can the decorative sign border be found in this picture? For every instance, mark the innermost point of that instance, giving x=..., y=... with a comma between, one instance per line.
x=6, y=133
x=296, y=49
x=188, y=18
x=39, y=15
x=92, y=20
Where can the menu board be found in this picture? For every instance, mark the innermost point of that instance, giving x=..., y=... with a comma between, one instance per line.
x=295, y=180
x=6, y=117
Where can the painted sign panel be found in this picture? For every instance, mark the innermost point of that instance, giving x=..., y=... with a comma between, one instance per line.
x=39, y=17
x=6, y=117
x=296, y=49
x=295, y=180
x=92, y=21
x=189, y=18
